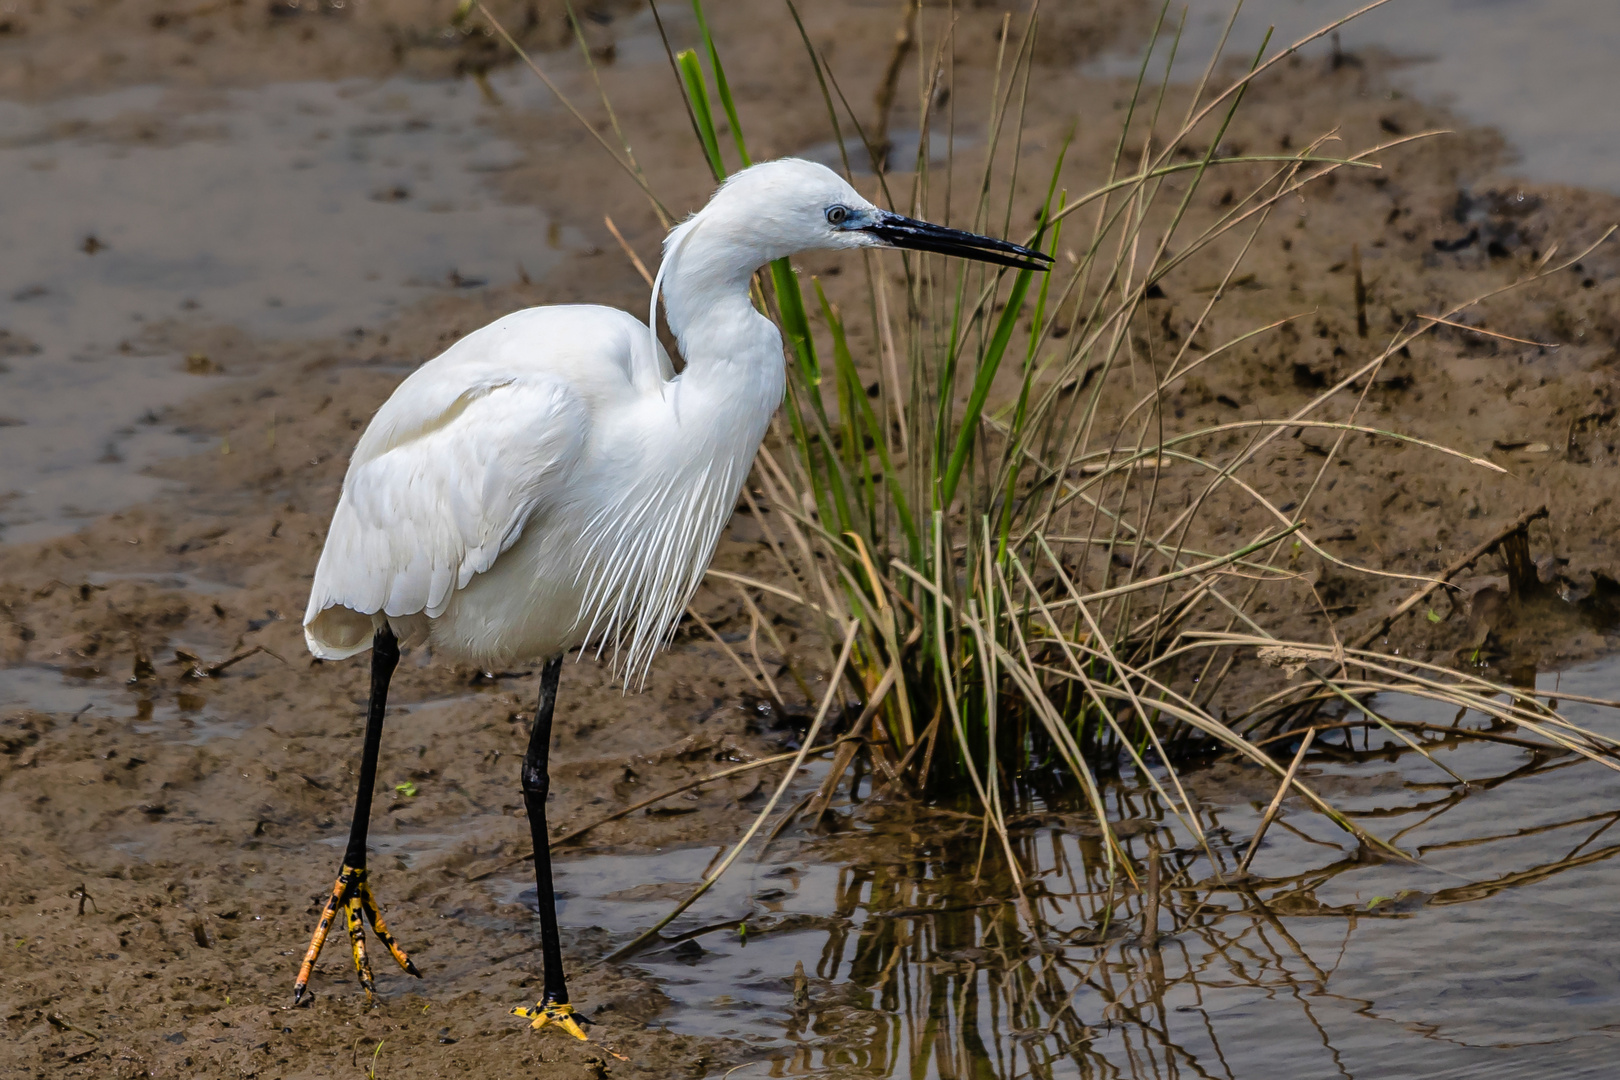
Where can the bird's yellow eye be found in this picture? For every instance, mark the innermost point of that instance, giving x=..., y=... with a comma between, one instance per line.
x=837, y=215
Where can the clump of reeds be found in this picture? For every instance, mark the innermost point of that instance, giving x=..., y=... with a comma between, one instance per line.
x=979, y=511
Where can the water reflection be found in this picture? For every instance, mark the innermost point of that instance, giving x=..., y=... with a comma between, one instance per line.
x=1498, y=950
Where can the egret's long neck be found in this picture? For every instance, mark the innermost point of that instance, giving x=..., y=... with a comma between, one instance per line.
x=730, y=349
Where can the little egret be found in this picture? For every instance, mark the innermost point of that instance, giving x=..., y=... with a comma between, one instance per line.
x=549, y=482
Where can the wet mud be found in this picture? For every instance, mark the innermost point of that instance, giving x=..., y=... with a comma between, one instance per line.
x=176, y=774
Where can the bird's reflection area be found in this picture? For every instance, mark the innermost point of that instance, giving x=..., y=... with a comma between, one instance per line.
x=897, y=943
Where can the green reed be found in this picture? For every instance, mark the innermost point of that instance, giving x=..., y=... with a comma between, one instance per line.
x=954, y=493
x=978, y=496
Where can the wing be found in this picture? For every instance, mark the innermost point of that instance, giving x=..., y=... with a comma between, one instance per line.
x=445, y=479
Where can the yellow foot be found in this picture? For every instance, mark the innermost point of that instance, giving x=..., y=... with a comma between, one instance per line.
x=552, y=1013
x=352, y=894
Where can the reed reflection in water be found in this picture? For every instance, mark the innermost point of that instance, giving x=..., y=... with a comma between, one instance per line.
x=1498, y=950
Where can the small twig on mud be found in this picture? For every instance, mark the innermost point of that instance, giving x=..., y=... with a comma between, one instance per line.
x=1361, y=290
x=1519, y=524
x=62, y=1023
x=200, y=670
x=755, y=621
x=82, y=896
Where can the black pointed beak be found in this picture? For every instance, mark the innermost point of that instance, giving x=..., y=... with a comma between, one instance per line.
x=904, y=232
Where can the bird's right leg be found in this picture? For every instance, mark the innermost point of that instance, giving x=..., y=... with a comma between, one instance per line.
x=352, y=893
x=553, y=1007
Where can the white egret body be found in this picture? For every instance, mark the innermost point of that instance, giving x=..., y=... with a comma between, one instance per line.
x=544, y=481
x=550, y=482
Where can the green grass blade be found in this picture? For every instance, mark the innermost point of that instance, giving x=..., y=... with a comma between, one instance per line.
x=795, y=323
x=989, y=363
x=858, y=410
x=697, y=92
x=721, y=87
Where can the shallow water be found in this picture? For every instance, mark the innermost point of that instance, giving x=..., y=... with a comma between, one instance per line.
x=292, y=210
x=51, y=690
x=1542, y=72
x=73, y=696
x=1496, y=953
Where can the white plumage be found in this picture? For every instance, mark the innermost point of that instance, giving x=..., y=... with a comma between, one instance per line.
x=550, y=482
x=539, y=485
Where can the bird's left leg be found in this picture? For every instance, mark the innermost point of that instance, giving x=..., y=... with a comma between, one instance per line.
x=352, y=894
x=553, y=1007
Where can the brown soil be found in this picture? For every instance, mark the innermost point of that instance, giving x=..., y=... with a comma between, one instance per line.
x=197, y=858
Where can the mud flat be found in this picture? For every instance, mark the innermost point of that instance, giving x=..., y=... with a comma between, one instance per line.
x=171, y=828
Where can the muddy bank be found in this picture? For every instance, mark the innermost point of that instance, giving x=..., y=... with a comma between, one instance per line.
x=199, y=819
x=51, y=49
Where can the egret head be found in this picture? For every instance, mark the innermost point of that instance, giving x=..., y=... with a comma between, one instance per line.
x=778, y=208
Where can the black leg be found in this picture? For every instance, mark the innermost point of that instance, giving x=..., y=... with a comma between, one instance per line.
x=536, y=778
x=536, y=786
x=384, y=658
x=352, y=893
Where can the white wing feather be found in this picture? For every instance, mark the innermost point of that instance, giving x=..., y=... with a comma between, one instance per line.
x=454, y=484
x=458, y=461
x=548, y=430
